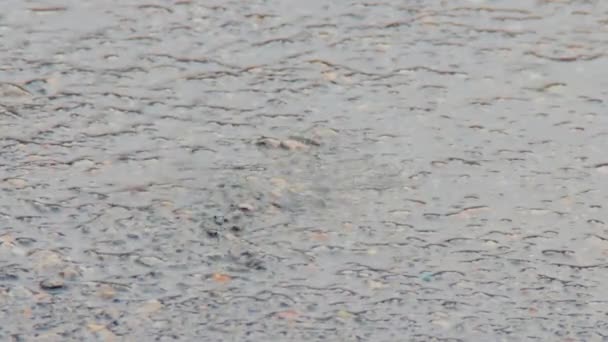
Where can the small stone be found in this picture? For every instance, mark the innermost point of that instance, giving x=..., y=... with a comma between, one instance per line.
x=212, y=233
x=255, y=70
x=268, y=142
x=83, y=164
x=246, y=207
x=426, y=276
x=443, y=323
x=150, y=307
x=375, y=285
x=221, y=278
x=166, y=204
x=93, y=171
x=149, y=261
x=46, y=260
x=538, y=211
x=276, y=195
x=330, y=76
x=17, y=183
x=93, y=327
x=69, y=273
x=183, y=214
x=293, y=145
x=288, y=314
x=106, y=292
x=52, y=284
x=7, y=240
x=14, y=91
x=602, y=168
x=220, y=219
x=491, y=243
x=319, y=236
x=344, y=314
x=323, y=132
x=306, y=141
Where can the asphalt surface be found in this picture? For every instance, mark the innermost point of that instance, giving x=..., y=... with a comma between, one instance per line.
x=303, y=170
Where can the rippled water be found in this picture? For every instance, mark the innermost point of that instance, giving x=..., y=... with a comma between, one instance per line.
x=288, y=170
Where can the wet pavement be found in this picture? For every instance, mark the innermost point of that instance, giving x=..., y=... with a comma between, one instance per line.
x=303, y=171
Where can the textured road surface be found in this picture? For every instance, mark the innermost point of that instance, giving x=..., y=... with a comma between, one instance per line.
x=289, y=170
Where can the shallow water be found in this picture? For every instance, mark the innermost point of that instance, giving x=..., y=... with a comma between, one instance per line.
x=287, y=170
